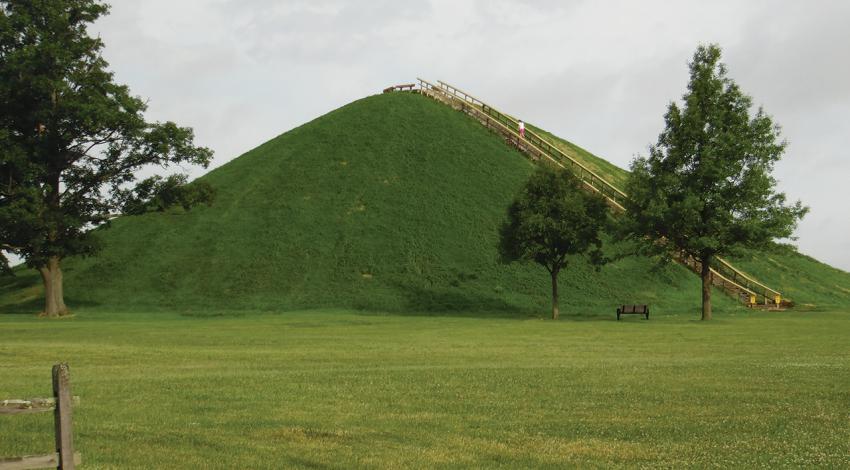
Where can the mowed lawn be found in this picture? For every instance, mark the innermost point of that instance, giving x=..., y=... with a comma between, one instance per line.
x=331, y=389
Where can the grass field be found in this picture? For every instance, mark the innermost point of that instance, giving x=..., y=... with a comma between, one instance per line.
x=336, y=389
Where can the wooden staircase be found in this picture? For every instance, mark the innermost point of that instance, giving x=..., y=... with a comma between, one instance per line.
x=725, y=276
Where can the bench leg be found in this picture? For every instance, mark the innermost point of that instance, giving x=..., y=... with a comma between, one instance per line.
x=618, y=316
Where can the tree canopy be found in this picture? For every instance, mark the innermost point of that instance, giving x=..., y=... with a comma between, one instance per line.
x=550, y=221
x=71, y=139
x=706, y=187
x=159, y=194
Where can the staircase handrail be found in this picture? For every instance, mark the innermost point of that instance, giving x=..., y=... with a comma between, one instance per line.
x=617, y=195
x=727, y=265
x=538, y=143
x=715, y=274
x=475, y=109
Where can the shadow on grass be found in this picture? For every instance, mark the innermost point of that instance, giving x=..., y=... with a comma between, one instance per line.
x=449, y=302
x=22, y=294
x=34, y=306
x=439, y=301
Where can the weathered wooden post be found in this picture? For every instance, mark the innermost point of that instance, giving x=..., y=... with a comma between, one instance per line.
x=62, y=416
x=64, y=458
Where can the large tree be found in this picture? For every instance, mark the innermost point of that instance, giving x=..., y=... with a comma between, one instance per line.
x=706, y=189
x=71, y=139
x=551, y=221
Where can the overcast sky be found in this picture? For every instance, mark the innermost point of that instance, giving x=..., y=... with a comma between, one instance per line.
x=599, y=73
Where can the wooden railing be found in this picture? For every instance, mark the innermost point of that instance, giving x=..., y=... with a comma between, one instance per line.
x=717, y=278
x=498, y=124
x=724, y=274
x=64, y=458
x=770, y=296
x=577, y=168
x=405, y=87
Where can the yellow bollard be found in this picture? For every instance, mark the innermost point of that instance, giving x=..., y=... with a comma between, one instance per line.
x=777, y=298
x=752, y=299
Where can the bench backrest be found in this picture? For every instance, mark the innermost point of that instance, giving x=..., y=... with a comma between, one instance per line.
x=633, y=308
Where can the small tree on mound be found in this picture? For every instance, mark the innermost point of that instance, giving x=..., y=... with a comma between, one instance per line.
x=552, y=221
x=71, y=139
x=705, y=189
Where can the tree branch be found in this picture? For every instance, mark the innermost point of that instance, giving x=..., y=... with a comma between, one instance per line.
x=100, y=178
x=95, y=143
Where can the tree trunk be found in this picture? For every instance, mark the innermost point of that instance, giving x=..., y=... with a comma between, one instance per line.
x=50, y=308
x=554, y=294
x=58, y=290
x=54, y=301
x=706, y=287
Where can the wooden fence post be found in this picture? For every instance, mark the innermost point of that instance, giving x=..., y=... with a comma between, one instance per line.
x=62, y=416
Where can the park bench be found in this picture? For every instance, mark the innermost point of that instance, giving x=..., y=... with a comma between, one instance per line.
x=636, y=309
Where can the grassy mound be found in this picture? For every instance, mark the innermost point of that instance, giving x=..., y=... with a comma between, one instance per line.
x=390, y=203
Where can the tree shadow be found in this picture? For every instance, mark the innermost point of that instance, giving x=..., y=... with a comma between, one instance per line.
x=456, y=302
x=22, y=294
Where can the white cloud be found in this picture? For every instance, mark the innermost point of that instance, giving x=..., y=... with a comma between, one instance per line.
x=599, y=73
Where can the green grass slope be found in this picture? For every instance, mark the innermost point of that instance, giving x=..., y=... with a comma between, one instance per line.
x=812, y=285
x=390, y=203
x=605, y=169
